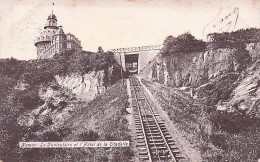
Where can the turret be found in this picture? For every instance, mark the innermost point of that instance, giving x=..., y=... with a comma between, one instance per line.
x=51, y=22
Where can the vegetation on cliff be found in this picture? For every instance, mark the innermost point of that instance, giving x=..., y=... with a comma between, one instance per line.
x=184, y=43
x=25, y=87
x=219, y=136
x=219, y=111
x=236, y=39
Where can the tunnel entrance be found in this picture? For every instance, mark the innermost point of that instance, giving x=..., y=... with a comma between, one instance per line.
x=131, y=63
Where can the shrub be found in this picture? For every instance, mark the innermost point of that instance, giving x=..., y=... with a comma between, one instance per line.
x=89, y=135
x=232, y=123
x=30, y=100
x=184, y=43
x=219, y=140
x=56, y=136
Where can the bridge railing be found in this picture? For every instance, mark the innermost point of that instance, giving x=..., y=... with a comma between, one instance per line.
x=136, y=49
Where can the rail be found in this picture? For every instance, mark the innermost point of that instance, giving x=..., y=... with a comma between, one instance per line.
x=158, y=143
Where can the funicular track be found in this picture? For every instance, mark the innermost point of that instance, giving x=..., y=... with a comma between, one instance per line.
x=153, y=140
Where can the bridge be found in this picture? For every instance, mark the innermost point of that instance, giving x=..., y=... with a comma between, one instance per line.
x=134, y=59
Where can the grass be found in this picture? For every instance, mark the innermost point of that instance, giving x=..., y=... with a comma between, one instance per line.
x=218, y=136
x=101, y=119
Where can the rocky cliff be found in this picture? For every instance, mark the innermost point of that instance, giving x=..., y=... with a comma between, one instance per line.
x=229, y=75
x=59, y=98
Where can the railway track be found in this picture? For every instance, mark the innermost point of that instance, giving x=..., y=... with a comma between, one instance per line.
x=153, y=139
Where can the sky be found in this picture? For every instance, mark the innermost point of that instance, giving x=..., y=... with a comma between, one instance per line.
x=119, y=23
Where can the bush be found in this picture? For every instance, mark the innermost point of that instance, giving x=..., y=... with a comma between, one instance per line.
x=56, y=136
x=89, y=135
x=236, y=39
x=184, y=43
x=219, y=140
x=30, y=99
x=232, y=123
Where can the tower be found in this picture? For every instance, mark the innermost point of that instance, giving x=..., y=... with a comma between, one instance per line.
x=53, y=40
x=51, y=22
x=60, y=39
x=45, y=40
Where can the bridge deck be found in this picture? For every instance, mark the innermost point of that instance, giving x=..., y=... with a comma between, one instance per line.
x=137, y=49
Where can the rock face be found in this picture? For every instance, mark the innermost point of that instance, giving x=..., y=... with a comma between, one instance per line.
x=195, y=69
x=59, y=99
x=229, y=75
x=246, y=95
x=85, y=87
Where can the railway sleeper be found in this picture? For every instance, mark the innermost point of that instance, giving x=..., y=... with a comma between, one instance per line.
x=157, y=144
x=151, y=126
x=138, y=128
x=160, y=120
x=166, y=152
x=140, y=134
x=163, y=128
x=140, y=144
x=154, y=134
x=142, y=148
x=149, y=123
x=167, y=137
x=179, y=156
x=143, y=153
x=157, y=140
x=171, y=143
x=155, y=137
x=158, y=148
x=161, y=123
x=152, y=130
x=147, y=119
x=166, y=133
x=175, y=151
x=161, y=154
x=173, y=147
x=144, y=158
x=140, y=140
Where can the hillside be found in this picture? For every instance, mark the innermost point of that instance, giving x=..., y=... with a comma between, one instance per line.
x=72, y=97
x=211, y=91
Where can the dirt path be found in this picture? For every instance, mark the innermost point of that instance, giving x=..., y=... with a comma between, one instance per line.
x=182, y=143
x=131, y=124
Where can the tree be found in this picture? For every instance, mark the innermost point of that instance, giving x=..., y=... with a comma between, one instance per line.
x=184, y=43
x=100, y=50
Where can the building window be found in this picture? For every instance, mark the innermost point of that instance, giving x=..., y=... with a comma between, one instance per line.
x=68, y=45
